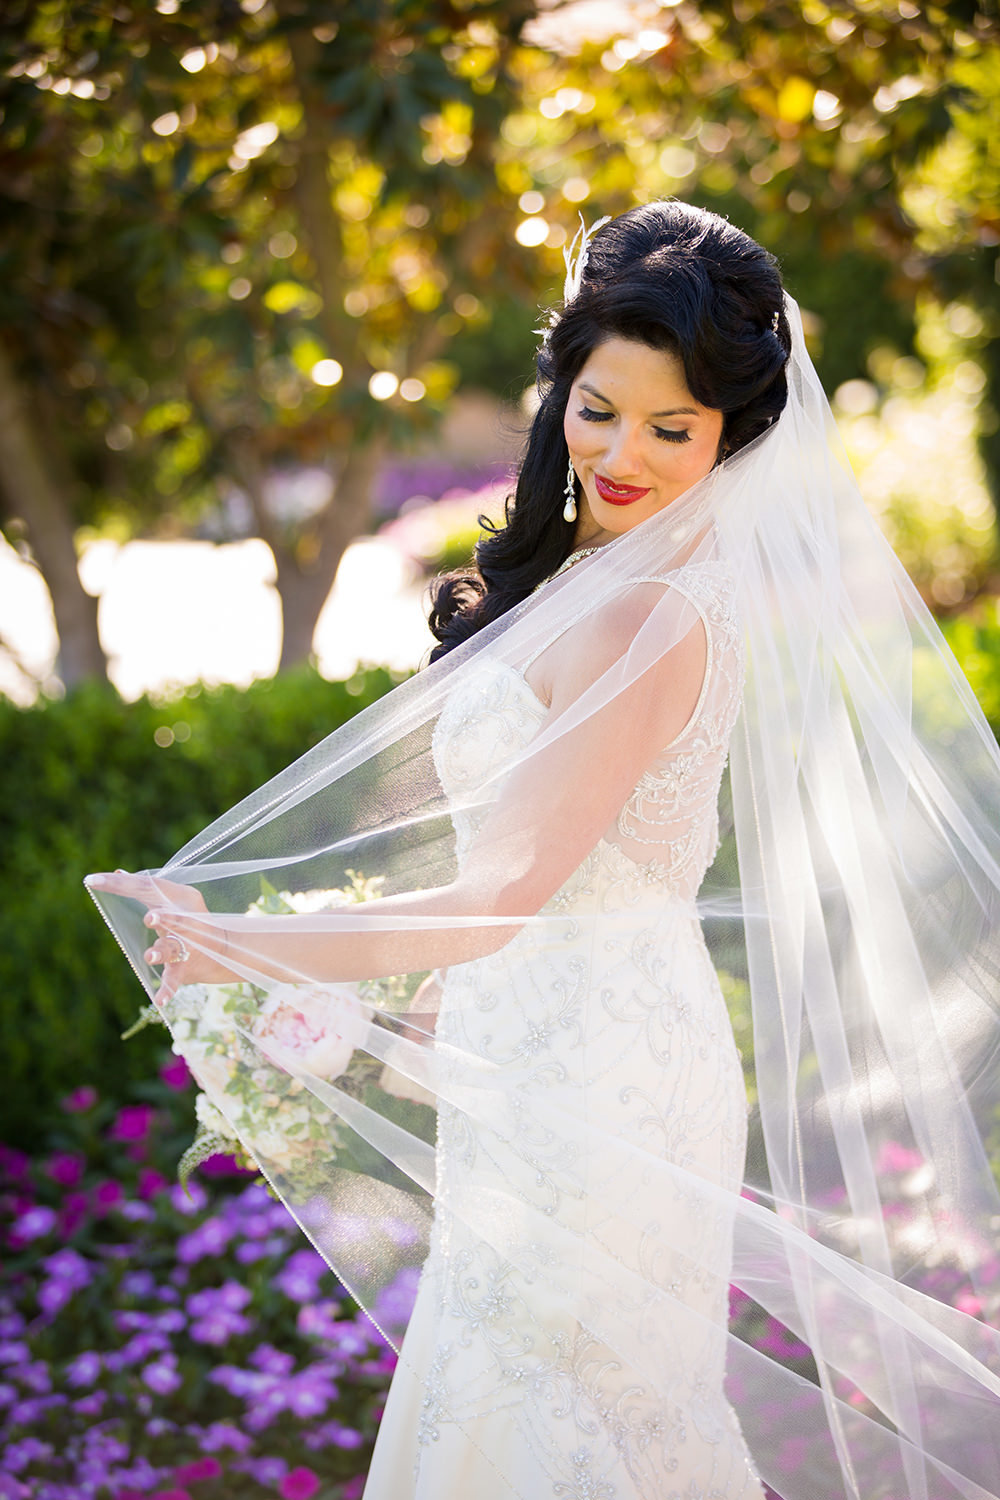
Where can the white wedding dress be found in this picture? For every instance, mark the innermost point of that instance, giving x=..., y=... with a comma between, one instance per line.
x=613, y=1020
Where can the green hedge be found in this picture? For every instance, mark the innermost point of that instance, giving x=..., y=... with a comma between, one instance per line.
x=87, y=784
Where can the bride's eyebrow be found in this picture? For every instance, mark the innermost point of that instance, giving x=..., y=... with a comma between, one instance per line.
x=675, y=411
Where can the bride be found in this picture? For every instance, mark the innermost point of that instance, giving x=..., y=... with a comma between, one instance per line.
x=551, y=1126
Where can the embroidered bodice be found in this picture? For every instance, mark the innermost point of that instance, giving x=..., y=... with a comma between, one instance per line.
x=666, y=834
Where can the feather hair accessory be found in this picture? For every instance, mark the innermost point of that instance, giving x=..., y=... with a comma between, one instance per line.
x=576, y=256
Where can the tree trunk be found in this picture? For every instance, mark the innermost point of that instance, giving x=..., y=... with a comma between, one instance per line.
x=307, y=564
x=306, y=572
x=32, y=492
x=307, y=560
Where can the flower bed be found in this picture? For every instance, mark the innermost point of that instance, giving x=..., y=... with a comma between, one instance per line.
x=194, y=1347
x=155, y=1343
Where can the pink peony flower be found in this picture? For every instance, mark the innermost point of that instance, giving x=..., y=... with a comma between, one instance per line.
x=313, y=1028
x=299, y=1484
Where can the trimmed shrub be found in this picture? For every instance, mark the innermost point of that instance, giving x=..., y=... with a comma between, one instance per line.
x=92, y=783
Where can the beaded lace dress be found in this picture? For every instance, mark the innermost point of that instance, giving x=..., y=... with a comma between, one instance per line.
x=617, y=1009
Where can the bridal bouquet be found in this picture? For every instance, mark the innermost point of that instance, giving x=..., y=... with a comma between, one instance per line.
x=264, y=1060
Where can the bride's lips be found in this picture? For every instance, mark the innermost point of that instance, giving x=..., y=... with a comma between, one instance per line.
x=617, y=494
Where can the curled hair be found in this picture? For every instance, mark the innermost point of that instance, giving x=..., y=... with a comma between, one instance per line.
x=670, y=276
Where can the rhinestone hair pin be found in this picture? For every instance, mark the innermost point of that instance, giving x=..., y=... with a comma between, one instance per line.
x=576, y=256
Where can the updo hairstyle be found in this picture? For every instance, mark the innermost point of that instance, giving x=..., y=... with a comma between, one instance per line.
x=673, y=277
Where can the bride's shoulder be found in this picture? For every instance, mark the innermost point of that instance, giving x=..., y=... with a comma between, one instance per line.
x=640, y=610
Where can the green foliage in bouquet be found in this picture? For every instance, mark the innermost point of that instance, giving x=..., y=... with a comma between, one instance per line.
x=91, y=783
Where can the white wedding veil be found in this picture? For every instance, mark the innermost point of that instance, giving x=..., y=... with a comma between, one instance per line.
x=853, y=906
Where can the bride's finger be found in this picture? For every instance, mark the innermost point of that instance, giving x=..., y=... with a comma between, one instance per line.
x=170, y=983
x=139, y=887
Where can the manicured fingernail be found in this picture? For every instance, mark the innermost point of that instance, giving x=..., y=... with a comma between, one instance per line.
x=93, y=880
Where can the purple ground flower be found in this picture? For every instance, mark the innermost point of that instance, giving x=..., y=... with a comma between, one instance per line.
x=301, y=1274
x=35, y=1376
x=272, y=1361
x=333, y=1435
x=310, y=1393
x=248, y=1253
x=220, y=1435
x=34, y=1224
x=201, y=1468
x=29, y=1450
x=80, y=1100
x=190, y=1200
x=142, y=1346
x=75, y=1208
x=69, y=1266
x=236, y=1381
x=266, y=1471
x=132, y=1123
x=138, y=1284
x=176, y=1074
x=150, y=1183
x=92, y=1405
x=107, y=1195
x=210, y=1238
x=13, y=1352
x=216, y=1313
x=299, y=1484
x=161, y=1375
x=66, y=1168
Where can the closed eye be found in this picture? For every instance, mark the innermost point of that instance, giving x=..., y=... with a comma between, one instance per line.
x=665, y=434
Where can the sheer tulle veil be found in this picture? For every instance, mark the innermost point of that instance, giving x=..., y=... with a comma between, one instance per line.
x=852, y=907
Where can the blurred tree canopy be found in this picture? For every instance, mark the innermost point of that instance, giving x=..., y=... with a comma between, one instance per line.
x=239, y=238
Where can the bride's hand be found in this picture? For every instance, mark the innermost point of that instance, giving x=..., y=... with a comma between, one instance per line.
x=191, y=950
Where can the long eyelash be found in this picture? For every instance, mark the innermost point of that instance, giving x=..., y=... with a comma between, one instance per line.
x=665, y=434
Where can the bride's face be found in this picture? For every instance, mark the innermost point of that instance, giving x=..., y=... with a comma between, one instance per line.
x=637, y=437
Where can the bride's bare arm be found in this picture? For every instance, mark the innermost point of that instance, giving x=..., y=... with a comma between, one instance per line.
x=552, y=810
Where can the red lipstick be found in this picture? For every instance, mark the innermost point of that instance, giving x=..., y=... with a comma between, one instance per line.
x=617, y=494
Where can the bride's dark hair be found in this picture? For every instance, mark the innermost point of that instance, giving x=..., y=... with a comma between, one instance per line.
x=667, y=275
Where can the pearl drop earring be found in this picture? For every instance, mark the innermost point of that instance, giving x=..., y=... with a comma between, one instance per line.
x=569, y=509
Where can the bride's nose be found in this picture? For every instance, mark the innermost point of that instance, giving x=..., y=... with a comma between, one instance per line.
x=621, y=456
